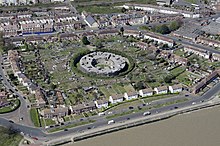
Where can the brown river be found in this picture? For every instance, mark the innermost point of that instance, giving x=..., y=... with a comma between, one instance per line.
x=200, y=128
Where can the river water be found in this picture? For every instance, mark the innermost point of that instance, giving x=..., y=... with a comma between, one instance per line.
x=200, y=128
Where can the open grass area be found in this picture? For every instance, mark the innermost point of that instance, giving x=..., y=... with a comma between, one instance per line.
x=129, y=88
x=13, y=106
x=191, y=1
x=70, y=126
x=9, y=137
x=35, y=117
x=99, y=9
x=49, y=122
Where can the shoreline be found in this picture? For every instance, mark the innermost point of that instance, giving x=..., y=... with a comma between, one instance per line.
x=196, y=126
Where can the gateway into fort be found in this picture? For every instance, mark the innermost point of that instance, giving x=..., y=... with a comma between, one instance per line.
x=103, y=63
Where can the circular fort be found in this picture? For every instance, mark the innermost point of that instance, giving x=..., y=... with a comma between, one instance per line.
x=103, y=63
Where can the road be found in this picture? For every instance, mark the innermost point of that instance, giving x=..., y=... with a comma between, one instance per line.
x=23, y=111
x=36, y=132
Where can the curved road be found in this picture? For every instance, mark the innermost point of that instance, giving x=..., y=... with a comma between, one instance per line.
x=23, y=111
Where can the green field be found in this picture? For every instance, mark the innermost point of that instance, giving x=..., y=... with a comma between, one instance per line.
x=35, y=117
x=9, y=137
x=14, y=105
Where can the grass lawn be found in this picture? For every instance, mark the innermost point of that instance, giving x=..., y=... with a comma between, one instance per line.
x=99, y=9
x=191, y=1
x=42, y=123
x=179, y=52
x=66, y=118
x=35, y=117
x=70, y=126
x=105, y=91
x=129, y=88
x=9, y=138
x=49, y=122
x=14, y=105
x=178, y=70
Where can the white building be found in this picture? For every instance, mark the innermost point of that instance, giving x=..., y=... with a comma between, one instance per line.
x=116, y=98
x=161, y=90
x=90, y=21
x=159, y=39
x=146, y=92
x=175, y=88
x=163, y=10
x=101, y=103
x=131, y=95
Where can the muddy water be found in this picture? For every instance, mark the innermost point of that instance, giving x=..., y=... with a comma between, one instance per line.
x=201, y=128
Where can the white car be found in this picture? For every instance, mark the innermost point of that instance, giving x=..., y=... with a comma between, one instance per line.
x=111, y=121
x=146, y=113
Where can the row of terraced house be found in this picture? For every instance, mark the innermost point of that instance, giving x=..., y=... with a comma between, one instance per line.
x=34, y=89
x=117, y=98
x=39, y=25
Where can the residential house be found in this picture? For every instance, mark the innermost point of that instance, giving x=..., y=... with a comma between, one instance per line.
x=101, y=103
x=116, y=98
x=162, y=10
x=215, y=57
x=68, y=36
x=196, y=50
x=161, y=90
x=32, y=88
x=84, y=107
x=159, y=38
x=9, y=29
x=107, y=32
x=198, y=87
x=55, y=112
x=207, y=41
x=176, y=88
x=90, y=21
x=146, y=92
x=60, y=99
x=40, y=99
x=131, y=95
x=4, y=102
x=134, y=33
x=164, y=17
x=164, y=2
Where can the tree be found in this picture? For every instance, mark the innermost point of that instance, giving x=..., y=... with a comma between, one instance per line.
x=53, y=86
x=122, y=30
x=98, y=43
x=139, y=86
x=123, y=10
x=174, y=25
x=163, y=29
x=168, y=78
x=85, y=40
